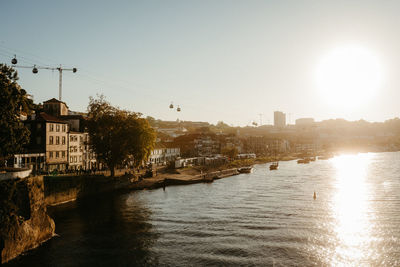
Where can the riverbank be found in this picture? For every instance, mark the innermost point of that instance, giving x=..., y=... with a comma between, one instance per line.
x=25, y=223
x=62, y=189
x=182, y=177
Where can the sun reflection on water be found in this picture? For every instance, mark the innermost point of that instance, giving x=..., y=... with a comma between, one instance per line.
x=350, y=209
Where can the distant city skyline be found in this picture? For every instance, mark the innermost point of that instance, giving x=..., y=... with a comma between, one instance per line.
x=218, y=60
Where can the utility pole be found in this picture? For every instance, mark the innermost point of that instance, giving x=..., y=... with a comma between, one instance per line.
x=36, y=68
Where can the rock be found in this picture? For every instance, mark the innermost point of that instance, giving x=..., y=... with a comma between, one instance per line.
x=24, y=222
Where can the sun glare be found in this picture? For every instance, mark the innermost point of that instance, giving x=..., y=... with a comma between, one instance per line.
x=348, y=76
x=350, y=208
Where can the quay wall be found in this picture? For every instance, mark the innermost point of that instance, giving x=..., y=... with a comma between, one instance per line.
x=24, y=222
x=61, y=189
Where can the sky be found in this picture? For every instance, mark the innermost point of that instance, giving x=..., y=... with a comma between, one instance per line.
x=218, y=60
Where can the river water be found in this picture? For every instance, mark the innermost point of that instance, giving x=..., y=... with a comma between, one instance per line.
x=266, y=218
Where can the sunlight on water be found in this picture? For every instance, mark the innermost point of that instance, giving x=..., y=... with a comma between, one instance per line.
x=350, y=208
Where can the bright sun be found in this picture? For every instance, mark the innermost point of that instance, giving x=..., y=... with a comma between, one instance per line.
x=348, y=76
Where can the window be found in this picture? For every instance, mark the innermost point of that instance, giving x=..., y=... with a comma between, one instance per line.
x=51, y=141
x=58, y=127
x=51, y=155
x=71, y=159
x=57, y=140
x=71, y=138
x=51, y=127
x=63, y=128
x=75, y=149
x=75, y=159
x=63, y=154
x=38, y=126
x=80, y=139
x=71, y=149
x=63, y=140
x=80, y=158
x=57, y=154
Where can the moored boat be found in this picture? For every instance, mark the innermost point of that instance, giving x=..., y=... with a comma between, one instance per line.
x=303, y=161
x=274, y=166
x=247, y=169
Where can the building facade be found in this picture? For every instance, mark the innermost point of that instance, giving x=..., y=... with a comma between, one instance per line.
x=75, y=150
x=279, y=119
x=49, y=138
x=57, y=141
x=162, y=156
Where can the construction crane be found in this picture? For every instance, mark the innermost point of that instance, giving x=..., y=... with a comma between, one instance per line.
x=35, y=70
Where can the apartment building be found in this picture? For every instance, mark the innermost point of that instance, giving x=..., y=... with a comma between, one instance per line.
x=75, y=150
x=162, y=155
x=48, y=147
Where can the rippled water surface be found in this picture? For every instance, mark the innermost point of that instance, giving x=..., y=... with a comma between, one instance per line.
x=263, y=218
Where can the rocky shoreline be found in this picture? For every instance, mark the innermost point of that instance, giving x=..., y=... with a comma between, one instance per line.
x=24, y=222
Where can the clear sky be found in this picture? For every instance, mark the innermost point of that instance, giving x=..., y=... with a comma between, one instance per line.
x=218, y=60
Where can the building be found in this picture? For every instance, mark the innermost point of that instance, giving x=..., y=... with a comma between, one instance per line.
x=157, y=156
x=33, y=161
x=48, y=143
x=172, y=153
x=55, y=107
x=279, y=119
x=89, y=157
x=172, y=132
x=58, y=140
x=206, y=146
x=162, y=155
x=75, y=150
x=305, y=122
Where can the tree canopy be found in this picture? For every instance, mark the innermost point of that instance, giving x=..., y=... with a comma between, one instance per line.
x=116, y=135
x=13, y=101
x=230, y=152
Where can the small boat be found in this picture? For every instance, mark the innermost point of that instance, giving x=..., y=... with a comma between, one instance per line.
x=274, y=166
x=303, y=161
x=245, y=169
x=324, y=157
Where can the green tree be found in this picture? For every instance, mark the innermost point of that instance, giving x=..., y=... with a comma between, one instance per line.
x=13, y=100
x=230, y=152
x=116, y=135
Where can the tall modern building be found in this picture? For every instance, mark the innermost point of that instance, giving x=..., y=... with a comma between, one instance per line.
x=279, y=119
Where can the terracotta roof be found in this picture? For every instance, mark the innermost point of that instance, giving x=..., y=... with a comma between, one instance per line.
x=53, y=100
x=46, y=117
x=66, y=117
x=159, y=146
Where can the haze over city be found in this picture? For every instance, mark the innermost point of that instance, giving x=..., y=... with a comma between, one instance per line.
x=218, y=60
